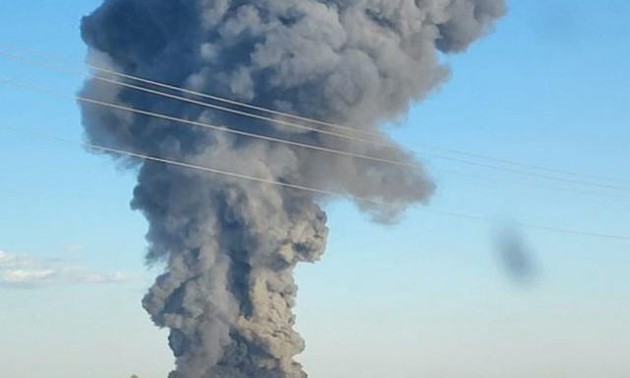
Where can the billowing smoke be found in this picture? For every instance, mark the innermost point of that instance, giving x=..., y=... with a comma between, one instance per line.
x=229, y=245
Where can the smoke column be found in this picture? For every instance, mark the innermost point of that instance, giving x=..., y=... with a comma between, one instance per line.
x=230, y=246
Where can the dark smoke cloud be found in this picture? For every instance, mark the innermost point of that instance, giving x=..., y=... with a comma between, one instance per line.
x=230, y=246
x=516, y=257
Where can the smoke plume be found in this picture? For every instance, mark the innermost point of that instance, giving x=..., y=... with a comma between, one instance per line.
x=229, y=245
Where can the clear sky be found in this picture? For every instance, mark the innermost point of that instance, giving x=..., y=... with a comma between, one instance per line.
x=428, y=297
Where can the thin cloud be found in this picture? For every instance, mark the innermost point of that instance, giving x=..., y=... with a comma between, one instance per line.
x=74, y=247
x=18, y=271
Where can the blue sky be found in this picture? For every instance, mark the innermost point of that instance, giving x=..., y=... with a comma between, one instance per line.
x=427, y=297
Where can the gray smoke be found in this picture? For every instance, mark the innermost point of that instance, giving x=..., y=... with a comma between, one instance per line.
x=229, y=245
x=516, y=257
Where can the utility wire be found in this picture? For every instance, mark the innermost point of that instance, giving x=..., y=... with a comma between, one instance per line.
x=186, y=165
x=209, y=126
x=263, y=137
x=14, y=56
x=284, y=141
x=500, y=179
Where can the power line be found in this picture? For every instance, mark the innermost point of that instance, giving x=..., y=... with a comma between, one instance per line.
x=186, y=165
x=217, y=128
x=209, y=126
x=379, y=143
x=288, y=142
x=272, y=139
x=200, y=103
x=564, y=189
x=14, y=56
x=332, y=125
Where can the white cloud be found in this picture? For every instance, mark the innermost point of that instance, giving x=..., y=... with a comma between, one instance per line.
x=7, y=260
x=27, y=272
